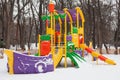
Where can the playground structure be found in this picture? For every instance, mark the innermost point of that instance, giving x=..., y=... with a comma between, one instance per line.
x=60, y=41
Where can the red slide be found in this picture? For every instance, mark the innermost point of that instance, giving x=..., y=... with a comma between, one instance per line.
x=98, y=55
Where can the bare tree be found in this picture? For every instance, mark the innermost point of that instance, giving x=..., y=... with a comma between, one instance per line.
x=98, y=16
x=21, y=21
x=117, y=32
x=27, y=20
x=40, y=14
x=7, y=8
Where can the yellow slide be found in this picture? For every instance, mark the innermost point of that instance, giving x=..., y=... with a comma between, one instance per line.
x=98, y=55
x=58, y=57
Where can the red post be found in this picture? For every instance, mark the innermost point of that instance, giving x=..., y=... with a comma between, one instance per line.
x=51, y=7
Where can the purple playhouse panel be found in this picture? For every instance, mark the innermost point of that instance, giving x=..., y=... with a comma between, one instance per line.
x=24, y=64
x=79, y=52
x=69, y=38
x=72, y=13
x=57, y=27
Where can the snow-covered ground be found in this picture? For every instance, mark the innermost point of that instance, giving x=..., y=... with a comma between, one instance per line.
x=88, y=71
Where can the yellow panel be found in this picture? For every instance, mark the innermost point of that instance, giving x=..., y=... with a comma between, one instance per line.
x=48, y=30
x=53, y=32
x=10, y=60
x=75, y=40
x=80, y=31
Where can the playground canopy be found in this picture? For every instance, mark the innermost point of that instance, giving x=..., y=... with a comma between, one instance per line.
x=71, y=13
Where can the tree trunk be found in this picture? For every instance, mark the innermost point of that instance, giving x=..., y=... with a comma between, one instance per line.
x=40, y=14
x=93, y=38
x=107, y=51
x=62, y=5
x=99, y=28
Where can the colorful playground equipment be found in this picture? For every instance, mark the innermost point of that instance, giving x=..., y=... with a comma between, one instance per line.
x=62, y=40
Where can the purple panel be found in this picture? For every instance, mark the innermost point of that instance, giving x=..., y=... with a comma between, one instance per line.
x=57, y=27
x=24, y=64
x=69, y=38
x=78, y=52
x=73, y=14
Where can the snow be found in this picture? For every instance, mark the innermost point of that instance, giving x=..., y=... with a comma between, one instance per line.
x=88, y=71
x=32, y=46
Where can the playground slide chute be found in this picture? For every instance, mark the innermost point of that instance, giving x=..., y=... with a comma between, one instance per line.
x=95, y=54
x=58, y=57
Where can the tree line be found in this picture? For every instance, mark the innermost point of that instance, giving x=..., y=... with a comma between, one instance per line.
x=20, y=20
